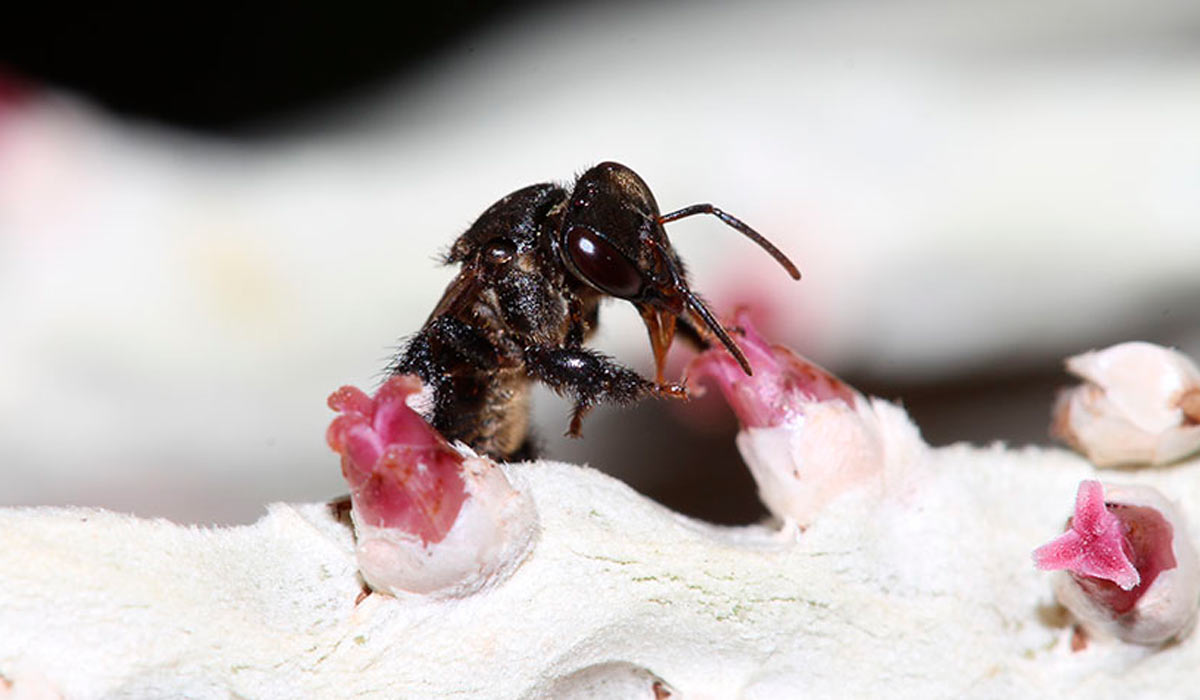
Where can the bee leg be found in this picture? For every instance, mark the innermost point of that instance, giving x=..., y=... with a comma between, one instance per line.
x=450, y=356
x=444, y=348
x=576, y=428
x=586, y=376
x=582, y=321
x=444, y=344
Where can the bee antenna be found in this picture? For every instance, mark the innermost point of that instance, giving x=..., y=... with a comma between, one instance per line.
x=734, y=223
x=697, y=307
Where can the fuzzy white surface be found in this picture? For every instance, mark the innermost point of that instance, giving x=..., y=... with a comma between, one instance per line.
x=967, y=189
x=932, y=594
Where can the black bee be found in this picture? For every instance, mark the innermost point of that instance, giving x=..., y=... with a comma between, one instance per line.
x=535, y=267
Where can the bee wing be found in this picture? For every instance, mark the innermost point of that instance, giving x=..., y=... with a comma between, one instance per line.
x=460, y=294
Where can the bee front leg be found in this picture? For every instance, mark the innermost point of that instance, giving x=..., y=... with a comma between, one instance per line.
x=582, y=320
x=586, y=376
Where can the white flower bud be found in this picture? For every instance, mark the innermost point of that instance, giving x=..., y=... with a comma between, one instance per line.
x=1140, y=405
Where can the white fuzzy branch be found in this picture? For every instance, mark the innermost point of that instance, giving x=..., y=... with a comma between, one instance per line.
x=927, y=593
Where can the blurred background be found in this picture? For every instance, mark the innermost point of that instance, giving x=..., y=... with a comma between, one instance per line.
x=209, y=220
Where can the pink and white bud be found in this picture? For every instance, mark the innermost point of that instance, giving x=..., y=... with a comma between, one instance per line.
x=1140, y=405
x=429, y=517
x=1129, y=569
x=806, y=436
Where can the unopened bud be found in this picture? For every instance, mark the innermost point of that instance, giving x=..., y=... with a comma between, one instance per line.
x=806, y=436
x=429, y=517
x=1140, y=404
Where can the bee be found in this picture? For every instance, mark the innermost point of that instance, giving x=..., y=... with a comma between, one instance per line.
x=534, y=268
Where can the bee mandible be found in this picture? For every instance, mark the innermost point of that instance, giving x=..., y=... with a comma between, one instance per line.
x=534, y=269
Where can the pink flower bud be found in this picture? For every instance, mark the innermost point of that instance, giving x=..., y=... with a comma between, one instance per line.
x=402, y=473
x=428, y=517
x=1129, y=569
x=782, y=385
x=807, y=437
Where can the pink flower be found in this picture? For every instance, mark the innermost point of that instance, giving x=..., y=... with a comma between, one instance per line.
x=782, y=383
x=1130, y=571
x=402, y=473
x=1096, y=544
x=807, y=437
x=429, y=519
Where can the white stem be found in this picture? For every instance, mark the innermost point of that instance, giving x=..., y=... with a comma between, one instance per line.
x=926, y=593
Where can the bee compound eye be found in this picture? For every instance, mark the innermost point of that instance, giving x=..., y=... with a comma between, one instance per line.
x=601, y=264
x=499, y=251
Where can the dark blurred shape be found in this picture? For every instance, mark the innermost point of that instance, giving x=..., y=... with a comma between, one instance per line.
x=1010, y=405
x=690, y=469
x=13, y=90
x=227, y=68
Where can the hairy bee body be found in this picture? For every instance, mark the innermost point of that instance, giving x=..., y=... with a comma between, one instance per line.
x=533, y=270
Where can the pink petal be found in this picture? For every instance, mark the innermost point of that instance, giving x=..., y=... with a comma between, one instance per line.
x=402, y=473
x=1095, y=545
x=1091, y=517
x=351, y=399
x=363, y=448
x=782, y=382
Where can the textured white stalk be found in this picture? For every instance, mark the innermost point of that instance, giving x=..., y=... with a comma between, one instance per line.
x=927, y=592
